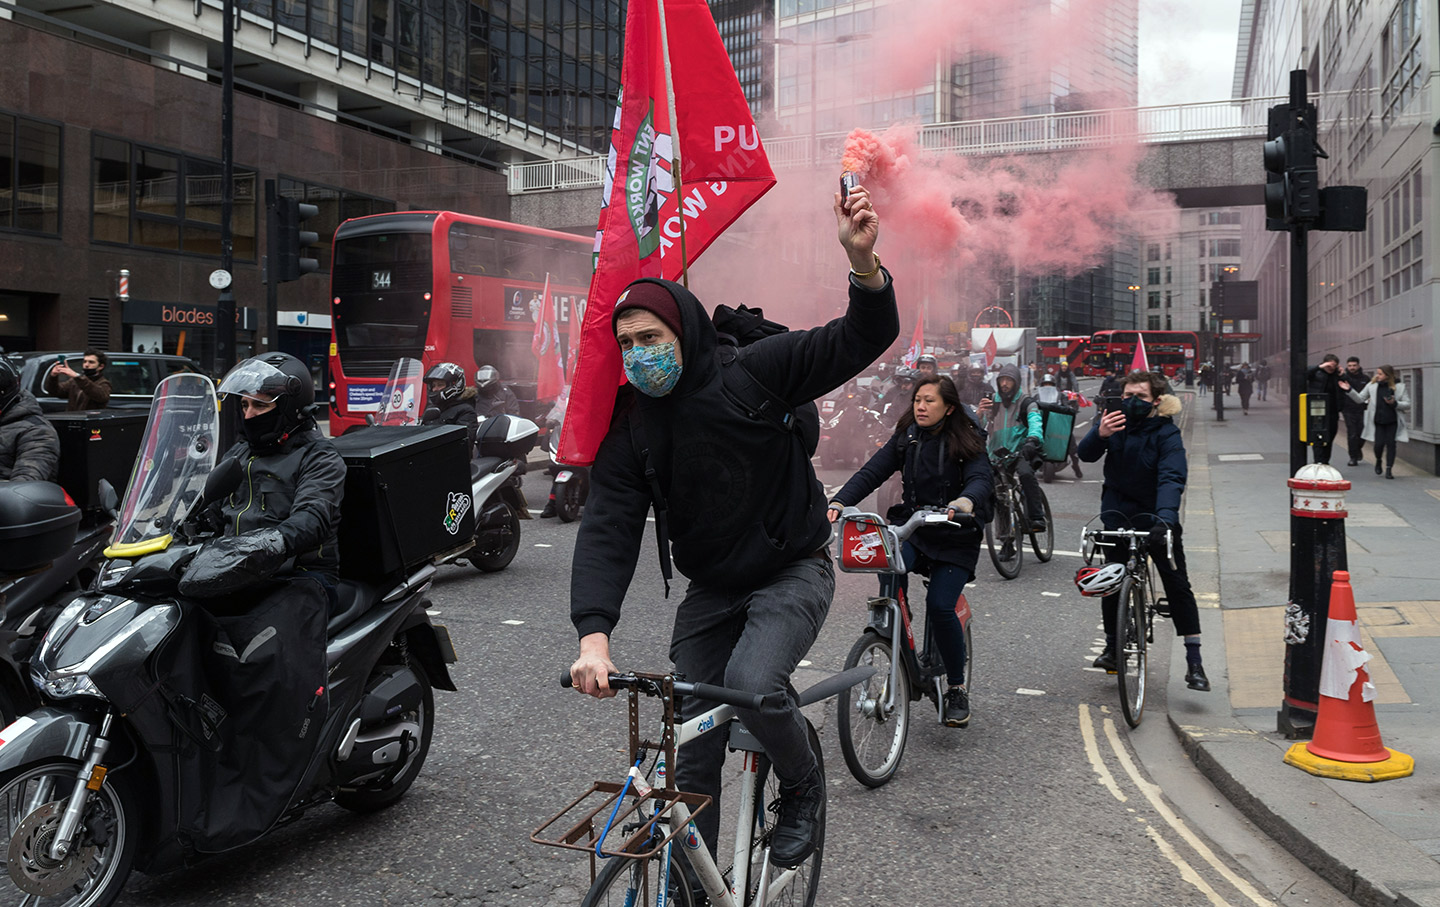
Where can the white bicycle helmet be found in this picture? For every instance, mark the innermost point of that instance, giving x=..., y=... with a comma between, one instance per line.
x=1098, y=582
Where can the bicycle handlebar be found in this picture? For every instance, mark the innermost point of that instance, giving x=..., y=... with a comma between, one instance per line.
x=1135, y=535
x=707, y=691
x=923, y=516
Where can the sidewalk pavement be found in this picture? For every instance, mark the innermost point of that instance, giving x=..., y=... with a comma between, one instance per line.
x=1378, y=843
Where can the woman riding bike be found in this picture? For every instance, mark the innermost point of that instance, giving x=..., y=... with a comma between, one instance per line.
x=939, y=451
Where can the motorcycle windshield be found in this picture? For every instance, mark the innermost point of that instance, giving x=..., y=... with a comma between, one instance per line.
x=176, y=455
x=404, y=399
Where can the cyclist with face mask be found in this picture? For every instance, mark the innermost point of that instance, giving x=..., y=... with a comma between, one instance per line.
x=1145, y=471
x=737, y=496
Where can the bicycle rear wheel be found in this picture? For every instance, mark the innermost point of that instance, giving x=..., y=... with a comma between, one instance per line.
x=621, y=882
x=872, y=739
x=1043, y=543
x=1002, y=535
x=804, y=885
x=1130, y=655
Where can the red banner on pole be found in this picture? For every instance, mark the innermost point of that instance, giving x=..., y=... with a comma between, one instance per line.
x=723, y=170
x=545, y=344
x=991, y=349
x=917, y=343
x=1141, y=362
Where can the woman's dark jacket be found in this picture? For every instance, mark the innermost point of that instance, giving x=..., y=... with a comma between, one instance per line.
x=930, y=476
x=743, y=500
x=1145, y=469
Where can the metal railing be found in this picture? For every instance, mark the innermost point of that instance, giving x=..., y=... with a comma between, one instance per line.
x=1048, y=132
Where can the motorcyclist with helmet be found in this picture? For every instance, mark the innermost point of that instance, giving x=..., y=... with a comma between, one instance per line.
x=29, y=446
x=1014, y=423
x=926, y=366
x=973, y=387
x=492, y=397
x=897, y=397
x=449, y=401
x=287, y=504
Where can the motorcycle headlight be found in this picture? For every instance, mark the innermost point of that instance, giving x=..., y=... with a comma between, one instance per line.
x=64, y=686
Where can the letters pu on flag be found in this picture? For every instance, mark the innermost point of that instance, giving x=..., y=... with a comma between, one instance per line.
x=1141, y=362
x=545, y=344
x=723, y=170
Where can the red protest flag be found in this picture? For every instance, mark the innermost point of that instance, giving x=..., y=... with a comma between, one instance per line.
x=917, y=343
x=545, y=344
x=991, y=349
x=1141, y=362
x=644, y=229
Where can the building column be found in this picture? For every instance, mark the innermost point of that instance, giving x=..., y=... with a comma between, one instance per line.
x=181, y=46
x=324, y=95
x=425, y=131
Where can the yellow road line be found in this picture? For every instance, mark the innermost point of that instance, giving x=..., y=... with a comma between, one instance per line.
x=1187, y=872
x=1092, y=752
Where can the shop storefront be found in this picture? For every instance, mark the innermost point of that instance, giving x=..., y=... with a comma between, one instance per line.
x=306, y=336
x=183, y=329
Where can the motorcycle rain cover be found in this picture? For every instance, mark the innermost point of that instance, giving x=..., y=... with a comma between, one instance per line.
x=723, y=169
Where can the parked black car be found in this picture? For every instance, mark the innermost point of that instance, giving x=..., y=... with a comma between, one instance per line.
x=133, y=376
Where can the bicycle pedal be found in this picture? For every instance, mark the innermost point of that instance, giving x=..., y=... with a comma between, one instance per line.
x=1162, y=607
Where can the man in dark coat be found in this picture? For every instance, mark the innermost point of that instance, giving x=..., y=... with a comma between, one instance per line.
x=1145, y=472
x=86, y=389
x=745, y=512
x=1323, y=380
x=1354, y=412
x=29, y=446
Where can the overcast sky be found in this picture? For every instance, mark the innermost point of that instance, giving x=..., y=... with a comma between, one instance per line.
x=1187, y=50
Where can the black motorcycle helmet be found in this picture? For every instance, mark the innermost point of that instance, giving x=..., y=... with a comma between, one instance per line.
x=487, y=378
x=446, y=381
x=9, y=384
x=925, y=361
x=285, y=380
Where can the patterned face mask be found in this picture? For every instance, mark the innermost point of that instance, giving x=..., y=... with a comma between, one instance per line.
x=654, y=370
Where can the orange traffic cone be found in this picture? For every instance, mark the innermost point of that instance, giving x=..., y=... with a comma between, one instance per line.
x=1346, y=743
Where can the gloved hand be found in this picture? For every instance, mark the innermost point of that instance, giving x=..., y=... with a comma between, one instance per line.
x=962, y=505
x=233, y=563
x=1030, y=450
x=1157, y=538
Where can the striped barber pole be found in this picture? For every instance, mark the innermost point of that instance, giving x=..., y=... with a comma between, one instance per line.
x=124, y=289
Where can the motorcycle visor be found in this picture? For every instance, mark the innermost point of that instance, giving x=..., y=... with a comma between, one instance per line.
x=256, y=380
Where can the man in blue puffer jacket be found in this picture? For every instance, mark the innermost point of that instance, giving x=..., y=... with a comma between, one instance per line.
x=1145, y=471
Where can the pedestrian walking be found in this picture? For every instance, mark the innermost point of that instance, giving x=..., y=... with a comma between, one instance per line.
x=1262, y=379
x=1354, y=412
x=1244, y=383
x=1322, y=381
x=1385, y=401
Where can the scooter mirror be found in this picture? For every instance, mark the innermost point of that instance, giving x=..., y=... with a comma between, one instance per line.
x=108, y=497
x=369, y=418
x=432, y=414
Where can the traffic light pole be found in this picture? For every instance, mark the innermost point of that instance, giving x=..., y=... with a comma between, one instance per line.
x=224, y=355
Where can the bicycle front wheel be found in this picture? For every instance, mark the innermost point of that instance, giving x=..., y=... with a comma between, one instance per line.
x=788, y=888
x=1130, y=658
x=872, y=733
x=1043, y=543
x=623, y=882
x=1002, y=535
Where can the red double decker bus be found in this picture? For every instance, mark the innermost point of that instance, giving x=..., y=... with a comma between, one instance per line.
x=444, y=287
x=1171, y=352
x=1068, y=349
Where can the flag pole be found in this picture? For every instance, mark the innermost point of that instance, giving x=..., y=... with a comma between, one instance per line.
x=676, y=164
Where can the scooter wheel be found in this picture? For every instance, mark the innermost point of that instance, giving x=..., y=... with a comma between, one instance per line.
x=567, y=506
x=369, y=799
x=496, y=548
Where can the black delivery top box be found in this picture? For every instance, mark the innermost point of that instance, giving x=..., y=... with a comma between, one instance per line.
x=407, y=497
x=97, y=444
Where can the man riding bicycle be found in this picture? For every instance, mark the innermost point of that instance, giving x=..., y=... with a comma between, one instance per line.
x=1145, y=471
x=1015, y=424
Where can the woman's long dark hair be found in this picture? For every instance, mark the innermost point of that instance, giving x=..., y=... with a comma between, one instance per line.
x=963, y=433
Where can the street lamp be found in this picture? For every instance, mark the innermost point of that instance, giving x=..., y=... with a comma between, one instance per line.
x=1134, y=289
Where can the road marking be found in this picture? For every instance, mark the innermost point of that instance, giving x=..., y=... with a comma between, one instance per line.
x=1069, y=554
x=1024, y=692
x=512, y=623
x=1230, y=458
x=432, y=612
x=1051, y=594
x=543, y=545
x=805, y=663
x=1151, y=792
x=1092, y=752
x=1187, y=872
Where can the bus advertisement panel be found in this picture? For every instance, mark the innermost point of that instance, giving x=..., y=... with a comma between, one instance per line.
x=444, y=287
x=1170, y=352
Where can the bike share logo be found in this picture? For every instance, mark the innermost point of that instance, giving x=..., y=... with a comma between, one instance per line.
x=867, y=547
x=455, y=510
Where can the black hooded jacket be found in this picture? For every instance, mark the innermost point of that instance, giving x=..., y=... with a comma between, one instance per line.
x=460, y=412
x=743, y=499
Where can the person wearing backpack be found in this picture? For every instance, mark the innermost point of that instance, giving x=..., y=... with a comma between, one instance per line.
x=709, y=434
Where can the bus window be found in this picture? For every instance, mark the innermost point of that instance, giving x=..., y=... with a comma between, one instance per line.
x=523, y=259
x=472, y=249
x=383, y=249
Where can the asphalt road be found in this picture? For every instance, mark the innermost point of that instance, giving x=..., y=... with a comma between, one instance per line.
x=1041, y=800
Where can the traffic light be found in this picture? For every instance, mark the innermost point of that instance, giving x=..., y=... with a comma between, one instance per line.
x=1292, y=178
x=291, y=242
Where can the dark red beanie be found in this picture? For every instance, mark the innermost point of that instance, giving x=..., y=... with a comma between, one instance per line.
x=653, y=298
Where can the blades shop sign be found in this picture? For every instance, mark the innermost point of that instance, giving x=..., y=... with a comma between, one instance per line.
x=184, y=315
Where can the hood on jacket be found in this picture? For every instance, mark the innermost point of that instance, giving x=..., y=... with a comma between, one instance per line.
x=697, y=342
x=1168, y=405
x=23, y=405
x=469, y=393
x=1012, y=372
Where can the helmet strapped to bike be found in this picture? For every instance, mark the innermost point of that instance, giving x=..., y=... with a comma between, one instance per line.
x=1100, y=581
x=277, y=378
x=446, y=381
x=487, y=378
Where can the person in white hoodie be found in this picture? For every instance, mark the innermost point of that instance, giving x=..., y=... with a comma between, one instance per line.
x=1386, y=401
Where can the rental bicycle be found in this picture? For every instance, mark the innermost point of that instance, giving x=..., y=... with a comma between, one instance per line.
x=638, y=831
x=873, y=716
x=1138, y=605
x=1005, y=534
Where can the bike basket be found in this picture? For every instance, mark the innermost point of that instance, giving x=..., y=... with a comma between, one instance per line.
x=632, y=833
x=868, y=545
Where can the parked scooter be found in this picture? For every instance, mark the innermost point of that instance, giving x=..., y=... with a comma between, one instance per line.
x=502, y=444
x=128, y=764
x=569, y=485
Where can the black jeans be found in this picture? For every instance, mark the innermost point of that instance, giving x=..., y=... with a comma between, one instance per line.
x=947, y=584
x=749, y=640
x=1031, y=487
x=1184, y=612
x=1385, y=441
x=1354, y=433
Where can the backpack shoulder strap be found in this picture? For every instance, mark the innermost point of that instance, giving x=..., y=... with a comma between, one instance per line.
x=760, y=403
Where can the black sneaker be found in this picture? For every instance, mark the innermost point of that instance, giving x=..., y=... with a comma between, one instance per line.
x=1039, y=526
x=1106, y=660
x=957, y=707
x=1195, y=678
x=549, y=510
x=796, y=826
